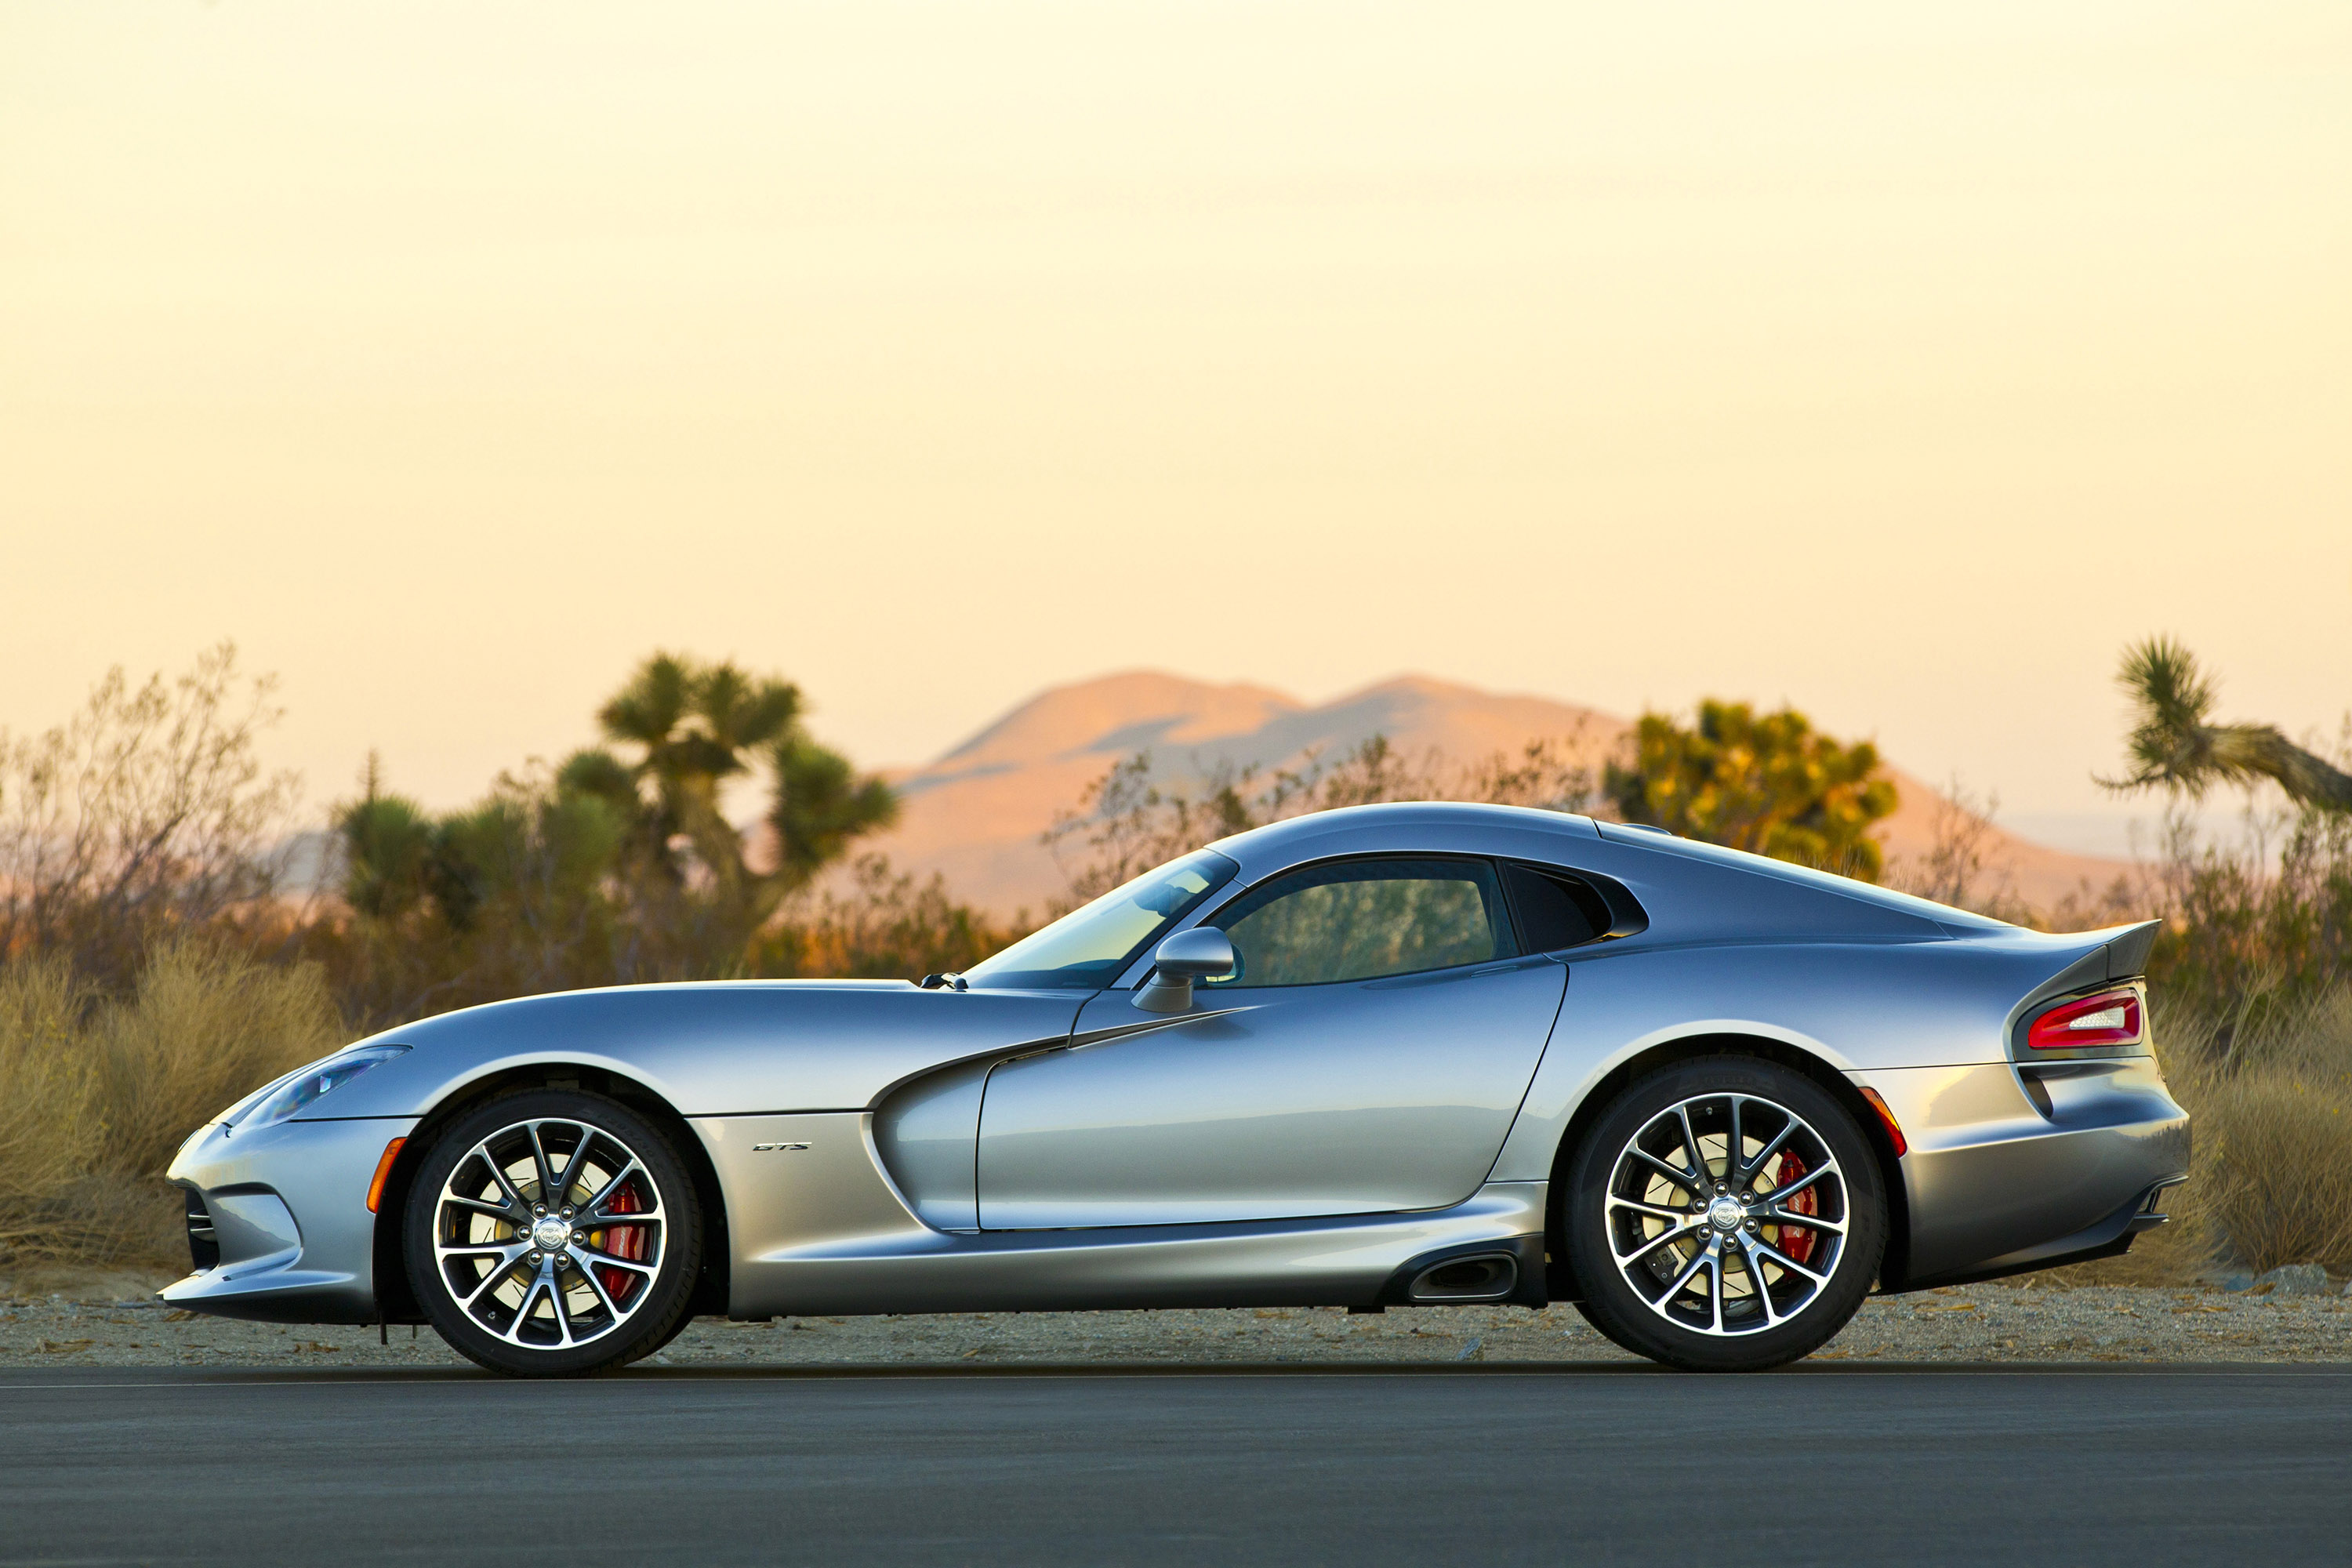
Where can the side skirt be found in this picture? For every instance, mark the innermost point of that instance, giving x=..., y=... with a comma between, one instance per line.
x=817, y=1228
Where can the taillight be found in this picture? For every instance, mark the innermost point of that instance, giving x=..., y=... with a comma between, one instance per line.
x=2109, y=1018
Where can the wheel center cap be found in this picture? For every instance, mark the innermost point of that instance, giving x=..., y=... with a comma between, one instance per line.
x=1724, y=1214
x=551, y=1232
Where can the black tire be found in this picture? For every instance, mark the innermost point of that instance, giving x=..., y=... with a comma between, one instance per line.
x=1665, y=1267
x=524, y=1301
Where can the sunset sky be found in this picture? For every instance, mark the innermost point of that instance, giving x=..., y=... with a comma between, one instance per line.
x=1900, y=361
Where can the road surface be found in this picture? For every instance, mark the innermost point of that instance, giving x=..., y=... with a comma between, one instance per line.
x=1480, y=1465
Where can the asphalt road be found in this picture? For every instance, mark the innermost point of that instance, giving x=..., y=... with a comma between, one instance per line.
x=1476, y=1466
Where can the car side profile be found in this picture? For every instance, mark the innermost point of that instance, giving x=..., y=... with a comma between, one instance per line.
x=1382, y=1057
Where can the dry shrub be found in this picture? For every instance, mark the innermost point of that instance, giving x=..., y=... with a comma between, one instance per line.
x=881, y=924
x=2282, y=1171
x=47, y=1126
x=2275, y=1130
x=97, y=1093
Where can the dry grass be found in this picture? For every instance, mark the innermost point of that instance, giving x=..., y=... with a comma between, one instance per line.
x=97, y=1093
x=2274, y=1126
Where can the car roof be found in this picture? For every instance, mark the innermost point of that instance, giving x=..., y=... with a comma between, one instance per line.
x=1631, y=852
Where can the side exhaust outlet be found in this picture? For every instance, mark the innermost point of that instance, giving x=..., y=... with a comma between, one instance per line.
x=1487, y=1277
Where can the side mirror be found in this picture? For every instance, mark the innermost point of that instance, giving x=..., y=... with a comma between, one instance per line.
x=1200, y=953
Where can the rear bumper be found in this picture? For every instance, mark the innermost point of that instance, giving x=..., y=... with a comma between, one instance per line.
x=1994, y=1184
x=291, y=1239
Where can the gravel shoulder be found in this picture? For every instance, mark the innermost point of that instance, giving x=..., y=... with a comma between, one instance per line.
x=106, y=1325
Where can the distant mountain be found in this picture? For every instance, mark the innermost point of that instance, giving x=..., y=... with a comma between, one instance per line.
x=976, y=813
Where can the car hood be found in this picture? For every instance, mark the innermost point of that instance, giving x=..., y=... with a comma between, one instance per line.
x=715, y=1048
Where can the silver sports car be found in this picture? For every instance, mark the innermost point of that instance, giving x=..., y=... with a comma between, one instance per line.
x=1386, y=1057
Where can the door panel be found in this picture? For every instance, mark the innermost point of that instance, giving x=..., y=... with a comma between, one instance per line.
x=1355, y=1098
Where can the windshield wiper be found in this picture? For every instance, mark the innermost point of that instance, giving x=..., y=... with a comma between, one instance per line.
x=952, y=981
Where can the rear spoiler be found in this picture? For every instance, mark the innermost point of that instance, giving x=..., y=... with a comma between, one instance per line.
x=2121, y=954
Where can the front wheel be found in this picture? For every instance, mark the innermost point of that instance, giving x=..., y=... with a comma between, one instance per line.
x=1724, y=1215
x=553, y=1232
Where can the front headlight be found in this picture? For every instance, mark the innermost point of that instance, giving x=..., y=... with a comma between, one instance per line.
x=292, y=1094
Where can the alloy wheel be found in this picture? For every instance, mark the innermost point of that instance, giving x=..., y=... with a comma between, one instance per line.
x=549, y=1234
x=1727, y=1214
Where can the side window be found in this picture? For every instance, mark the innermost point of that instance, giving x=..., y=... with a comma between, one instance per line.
x=1554, y=911
x=1359, y=920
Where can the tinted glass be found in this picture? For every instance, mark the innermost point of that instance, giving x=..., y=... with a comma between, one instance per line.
x=1552, y=913
x=1086, y=949
x=1363, y=918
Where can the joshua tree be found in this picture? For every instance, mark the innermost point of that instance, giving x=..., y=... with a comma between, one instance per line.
x=621, y=865
x=694, y=727
x=2173, y=745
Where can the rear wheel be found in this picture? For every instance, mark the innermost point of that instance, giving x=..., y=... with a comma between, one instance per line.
x=553, y=1232
x=1724, y=1214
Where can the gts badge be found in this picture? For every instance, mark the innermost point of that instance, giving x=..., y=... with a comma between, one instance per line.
x=774, y=1148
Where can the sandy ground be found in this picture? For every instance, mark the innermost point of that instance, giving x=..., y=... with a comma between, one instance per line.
x=104, y=1323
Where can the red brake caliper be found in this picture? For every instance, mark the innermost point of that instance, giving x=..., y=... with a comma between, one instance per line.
x=1797, y=1240
x=623, y=1241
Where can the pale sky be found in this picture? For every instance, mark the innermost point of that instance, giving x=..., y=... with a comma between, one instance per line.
x=1900, y=361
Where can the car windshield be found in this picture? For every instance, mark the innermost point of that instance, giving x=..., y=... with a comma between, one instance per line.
x=1086, y=949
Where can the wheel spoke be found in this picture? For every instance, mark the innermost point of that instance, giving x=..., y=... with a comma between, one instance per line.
x=1627, y=1259
x=1697, y=1262
x=495, y=1276
x=1809, y=1221
x=505, y=1181
x=598, y=1255
x=1674, y=1216
x=1751, y=1168
x=1733, y=1170
x=1679, y=1177
x=1775, y=1255
x=504, y=1213
x=560, y=1299
x=539, y=1158
x=1782, y=1194
x=1714, y=1279
x=508, y=1251
x=574, y=1166
x=611, y=1307
x=597, y=1202
x=1763, y=1291
x=522, y=1312
x=1690, y=1146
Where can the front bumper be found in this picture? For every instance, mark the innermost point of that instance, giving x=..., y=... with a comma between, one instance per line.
x=1995, y=1184
x=291, y=1239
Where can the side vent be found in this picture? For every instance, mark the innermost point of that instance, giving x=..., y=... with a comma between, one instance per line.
x=1487, y=1276
x=204, y=1246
